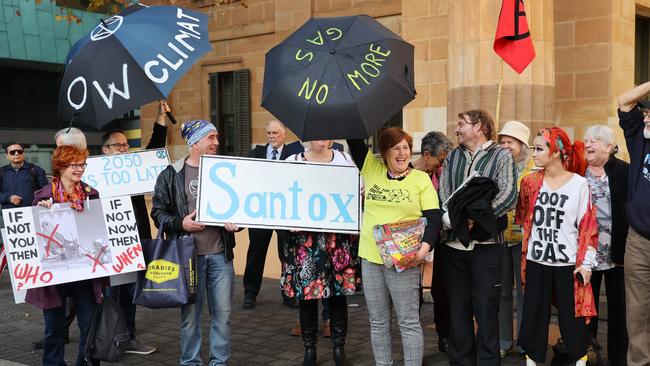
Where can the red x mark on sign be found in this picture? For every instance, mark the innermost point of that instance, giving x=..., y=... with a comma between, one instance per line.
x=50, y=240
x=96, y=259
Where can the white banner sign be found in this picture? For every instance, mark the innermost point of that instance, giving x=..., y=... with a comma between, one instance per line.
x=275, y=194
x=125, y=174
x=59, y=245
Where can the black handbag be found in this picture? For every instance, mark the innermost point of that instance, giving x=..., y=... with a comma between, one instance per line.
x=108, y=336
x=171, y=277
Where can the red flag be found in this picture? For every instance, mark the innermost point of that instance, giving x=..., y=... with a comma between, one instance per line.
x=512, y=41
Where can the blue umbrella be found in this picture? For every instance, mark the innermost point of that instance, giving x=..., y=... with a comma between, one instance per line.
x=128, y=60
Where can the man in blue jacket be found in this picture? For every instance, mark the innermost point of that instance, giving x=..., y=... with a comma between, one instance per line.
x=19, y=179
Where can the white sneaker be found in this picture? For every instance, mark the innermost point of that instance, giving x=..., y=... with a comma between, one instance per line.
x=582, y=361
x=530, y=362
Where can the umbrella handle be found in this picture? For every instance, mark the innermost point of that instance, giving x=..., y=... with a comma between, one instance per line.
x=171, y=117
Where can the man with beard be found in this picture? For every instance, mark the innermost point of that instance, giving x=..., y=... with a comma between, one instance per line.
x=174, y=210
x=634, y=119
x=473, y=270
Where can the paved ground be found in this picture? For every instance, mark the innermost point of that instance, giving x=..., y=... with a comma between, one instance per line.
x=259, y=336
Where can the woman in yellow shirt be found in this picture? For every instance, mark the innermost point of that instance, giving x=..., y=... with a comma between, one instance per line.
x=394, y=192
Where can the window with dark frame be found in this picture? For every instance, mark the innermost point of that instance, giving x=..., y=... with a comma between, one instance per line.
x=230, y=111
x=642, y=50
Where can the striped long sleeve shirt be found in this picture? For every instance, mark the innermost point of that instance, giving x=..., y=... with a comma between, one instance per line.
x=489, y=160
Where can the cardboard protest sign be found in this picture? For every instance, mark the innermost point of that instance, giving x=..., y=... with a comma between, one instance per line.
x=278, y=194
x=59, y=245
x=125, y=174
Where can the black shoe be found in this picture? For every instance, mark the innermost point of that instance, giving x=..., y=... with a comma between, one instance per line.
x=310, y=357
x=38, y=344
x=443, y=344
x=339, y=357
x=290, y=302
x=249, y=303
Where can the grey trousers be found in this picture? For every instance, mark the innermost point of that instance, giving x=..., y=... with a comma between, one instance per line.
x=384, y=287
x=637, y=295
x=510, y=275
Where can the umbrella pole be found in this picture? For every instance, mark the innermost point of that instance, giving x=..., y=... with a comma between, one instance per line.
x=497, y=117
x=171, y=117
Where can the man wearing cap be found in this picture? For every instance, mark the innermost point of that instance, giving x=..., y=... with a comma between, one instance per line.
x=634, y=119
x=513, y=137
x=174, y=210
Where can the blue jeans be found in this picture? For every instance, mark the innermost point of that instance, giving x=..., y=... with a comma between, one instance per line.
x=83, y=297
x=216, y=279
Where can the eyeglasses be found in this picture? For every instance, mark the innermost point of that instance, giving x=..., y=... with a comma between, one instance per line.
x=15, y=152
x=78, y=166
x=118, y=146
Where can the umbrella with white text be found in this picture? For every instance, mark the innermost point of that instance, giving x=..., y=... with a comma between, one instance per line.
x=128, y=60
x=341, y=77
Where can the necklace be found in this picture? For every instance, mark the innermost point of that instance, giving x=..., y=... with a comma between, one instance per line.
x=400, y=175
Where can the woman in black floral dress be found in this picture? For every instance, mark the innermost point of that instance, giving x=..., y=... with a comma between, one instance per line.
x=321, y=266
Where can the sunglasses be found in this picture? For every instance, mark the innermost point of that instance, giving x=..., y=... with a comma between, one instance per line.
x=15, y=152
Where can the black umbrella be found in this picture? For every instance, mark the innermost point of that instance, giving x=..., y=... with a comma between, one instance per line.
x=128, y=60
x=340, y=77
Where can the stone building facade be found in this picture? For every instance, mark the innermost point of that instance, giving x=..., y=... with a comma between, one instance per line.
x=585, y=58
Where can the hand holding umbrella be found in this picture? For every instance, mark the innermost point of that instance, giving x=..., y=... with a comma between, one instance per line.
x=164, y=110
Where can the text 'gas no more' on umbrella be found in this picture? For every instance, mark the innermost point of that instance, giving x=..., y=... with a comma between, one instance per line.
x=340, y=77
x=128, y=60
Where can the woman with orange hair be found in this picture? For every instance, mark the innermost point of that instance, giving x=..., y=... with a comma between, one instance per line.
x=68, y=165
x=559, y=251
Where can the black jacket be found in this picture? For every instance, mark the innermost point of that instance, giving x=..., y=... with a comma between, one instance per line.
x=158, y=140
x=170, y=205
x=259, y=151
x=474, y=201
x=617, y=173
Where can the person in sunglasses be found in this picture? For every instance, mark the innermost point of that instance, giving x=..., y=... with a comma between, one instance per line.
x=19, y=179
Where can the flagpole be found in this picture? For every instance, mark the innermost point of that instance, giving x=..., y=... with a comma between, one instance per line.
x=497, y=117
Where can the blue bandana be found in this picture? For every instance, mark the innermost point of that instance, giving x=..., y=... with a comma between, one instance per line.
x=193, y=131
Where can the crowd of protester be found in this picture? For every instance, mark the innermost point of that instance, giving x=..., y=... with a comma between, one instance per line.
x=535, y=223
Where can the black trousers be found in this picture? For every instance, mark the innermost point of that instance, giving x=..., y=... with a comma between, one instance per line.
x=258, y=246
x=473, y=281
x=541, y=283
x=440, y=299
x=617, y=339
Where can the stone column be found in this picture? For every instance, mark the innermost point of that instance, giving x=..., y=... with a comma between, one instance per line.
x=473, y=71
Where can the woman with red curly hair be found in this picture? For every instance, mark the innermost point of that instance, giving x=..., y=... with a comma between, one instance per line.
x=68, y=165
x=559, y=251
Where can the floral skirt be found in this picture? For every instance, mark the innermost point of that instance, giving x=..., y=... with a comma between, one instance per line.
x=320, y=265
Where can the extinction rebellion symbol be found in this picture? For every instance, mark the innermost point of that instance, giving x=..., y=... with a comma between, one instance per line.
x=106, y=28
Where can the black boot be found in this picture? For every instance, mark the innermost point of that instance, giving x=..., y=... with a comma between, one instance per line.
x=308, y=310
x=339, y=328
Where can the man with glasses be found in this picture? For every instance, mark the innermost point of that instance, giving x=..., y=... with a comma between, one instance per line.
x=116, y=142
x=19, y=179
x=472, y=270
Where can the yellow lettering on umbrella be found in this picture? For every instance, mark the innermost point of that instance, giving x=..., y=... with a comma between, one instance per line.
x=318, y=40
x=369, y=68
x=331, y=31
x=357, y=74
x=377, y=50
x=321, y=93
x=300, y=57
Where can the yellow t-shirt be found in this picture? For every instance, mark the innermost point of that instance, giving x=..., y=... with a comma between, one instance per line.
x=391, y=200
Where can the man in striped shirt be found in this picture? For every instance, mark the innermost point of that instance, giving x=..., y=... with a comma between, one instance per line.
x=473, y=272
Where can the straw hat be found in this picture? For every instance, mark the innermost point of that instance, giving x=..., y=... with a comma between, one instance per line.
x=517, y=130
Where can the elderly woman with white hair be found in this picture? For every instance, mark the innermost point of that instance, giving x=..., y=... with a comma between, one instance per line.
x=607, y=177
